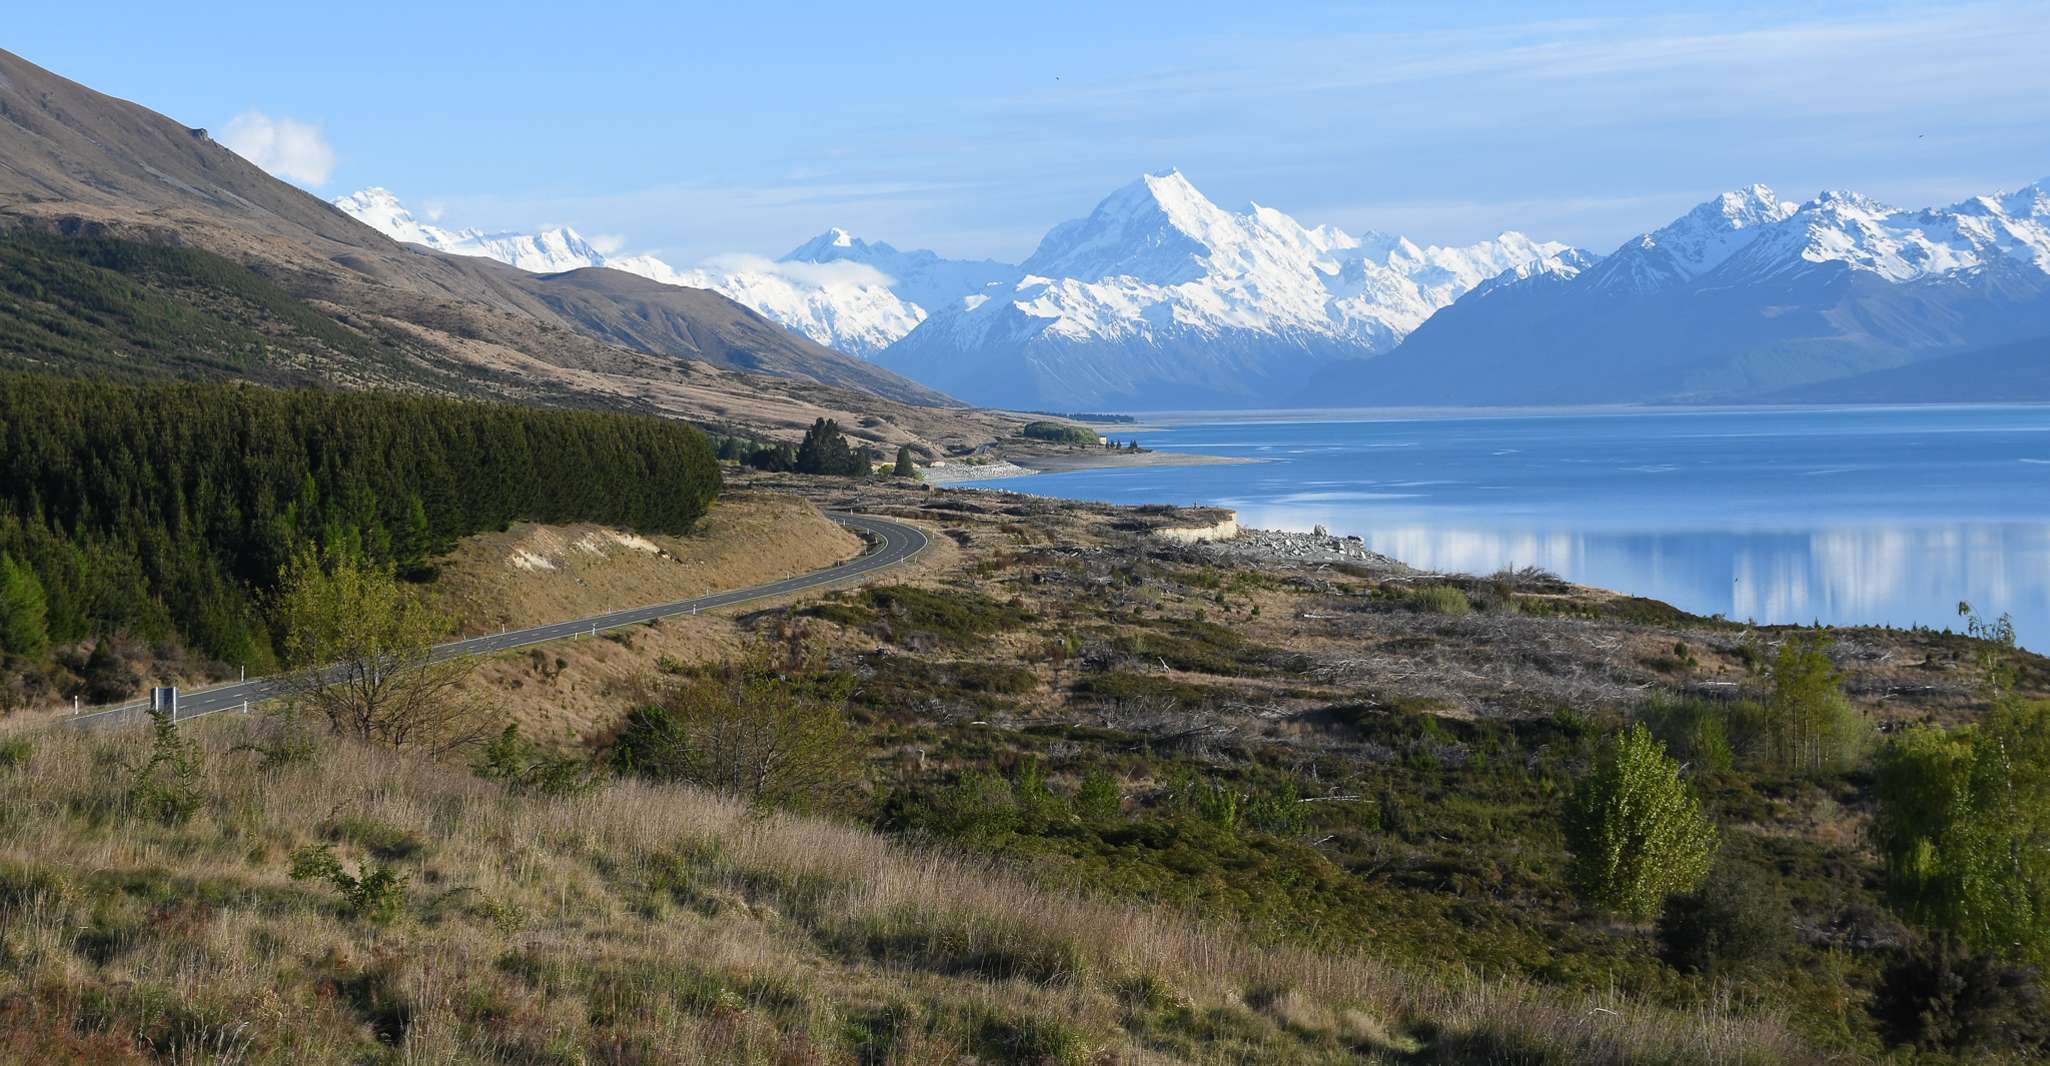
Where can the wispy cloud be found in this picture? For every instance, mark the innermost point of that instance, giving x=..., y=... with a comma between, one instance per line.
x=825, y=275
x=1586, y=129
x=286, y=147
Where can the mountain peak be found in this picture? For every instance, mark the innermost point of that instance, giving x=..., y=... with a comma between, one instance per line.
x=835, y=243
x=376, y=195
x=1158, y=228
x=1737, y=209
x=1844, y=200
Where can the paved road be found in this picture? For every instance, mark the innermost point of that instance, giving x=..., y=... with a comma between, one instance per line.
x=891, y=543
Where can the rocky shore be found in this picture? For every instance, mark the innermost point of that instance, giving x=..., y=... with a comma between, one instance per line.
x=1281, y=546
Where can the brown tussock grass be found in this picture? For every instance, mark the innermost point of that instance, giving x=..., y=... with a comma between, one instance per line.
x=639, y=923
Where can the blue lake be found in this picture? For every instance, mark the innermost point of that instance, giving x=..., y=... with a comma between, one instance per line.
x=1840, y=515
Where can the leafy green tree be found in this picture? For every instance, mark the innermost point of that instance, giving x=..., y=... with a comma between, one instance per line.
x=24, y=611
x=775, y=735
x=1635, y=829
x=1812, y=727
x=1964, y=826
x=359, y=649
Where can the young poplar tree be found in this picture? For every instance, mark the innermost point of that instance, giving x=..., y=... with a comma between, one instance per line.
x=359, y=649
x=1635, y=829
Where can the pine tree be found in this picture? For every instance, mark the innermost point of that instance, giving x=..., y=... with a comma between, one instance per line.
x=824, y=450
x=905, y=467
x=24, y=611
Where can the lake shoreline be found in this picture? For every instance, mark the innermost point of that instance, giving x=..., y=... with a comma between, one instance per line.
x=1017, y=466
x=1850, y=516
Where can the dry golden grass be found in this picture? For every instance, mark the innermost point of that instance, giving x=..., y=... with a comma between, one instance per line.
x=633, y=923
x=531, y=574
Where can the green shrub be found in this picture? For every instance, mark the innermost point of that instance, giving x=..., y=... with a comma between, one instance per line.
x=1695, y=731
x=1939, y=995
x=1437, y=599
x=1099, y=798
x=1058, y=433
x=14, y=751
x=774, y=734
x=949, y=616
x=1635, y=829
x=375, y=893
x=651, y=744
x=512, y=761
x=978, y=806
x=1734, y=918
x=166, y=786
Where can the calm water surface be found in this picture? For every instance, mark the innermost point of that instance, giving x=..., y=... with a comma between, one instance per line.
x=1847, y=515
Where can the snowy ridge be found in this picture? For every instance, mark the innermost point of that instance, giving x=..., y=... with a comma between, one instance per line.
x=920, y=278
x=1906, y=246
x=1691, y=245
x=1749, y=235
x=1160, y=286
x=835, y=289
x=548, y=252
x=1544, y=270
x=1745, y=296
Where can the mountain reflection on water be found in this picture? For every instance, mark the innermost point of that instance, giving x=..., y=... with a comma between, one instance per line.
x=1840, y=515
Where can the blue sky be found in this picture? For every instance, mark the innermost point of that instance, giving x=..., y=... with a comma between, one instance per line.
x=694, y=130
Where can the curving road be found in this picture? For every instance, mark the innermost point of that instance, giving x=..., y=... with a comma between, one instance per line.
x=891, y=543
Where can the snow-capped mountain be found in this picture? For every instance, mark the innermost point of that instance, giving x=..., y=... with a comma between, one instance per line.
x=551, y=251
x=1744, y=296
x=920, y=278
x=1161, y=298
x=836, y=289
x=1691, y=245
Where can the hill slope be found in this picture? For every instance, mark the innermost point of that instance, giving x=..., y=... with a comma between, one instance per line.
x=638, y=923
x=77, y=162
x=2007, y=373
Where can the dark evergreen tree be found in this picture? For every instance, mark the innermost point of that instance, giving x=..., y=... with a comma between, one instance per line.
x=24, y=610
x=905, y=467
x=171, y=508
x=825, y=450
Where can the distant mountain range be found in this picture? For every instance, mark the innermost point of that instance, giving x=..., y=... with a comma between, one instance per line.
x=1157, y=297
x=1750, y=298
x=836, y=289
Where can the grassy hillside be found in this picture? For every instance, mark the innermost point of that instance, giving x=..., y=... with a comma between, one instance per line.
x=132, y=310
x=648, y=924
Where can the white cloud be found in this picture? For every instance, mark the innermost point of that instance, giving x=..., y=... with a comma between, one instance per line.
x=823, y=275
x=286, y=147
x=607, y=243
